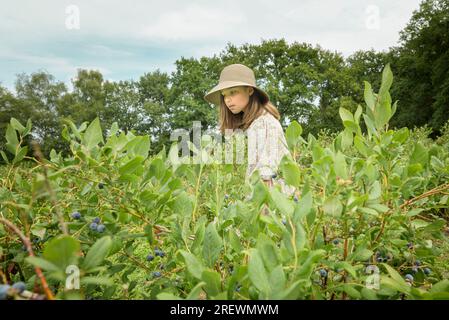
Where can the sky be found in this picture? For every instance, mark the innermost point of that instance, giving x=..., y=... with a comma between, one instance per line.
x=125, y=39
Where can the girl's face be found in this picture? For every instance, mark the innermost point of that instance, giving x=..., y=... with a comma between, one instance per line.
x=237, y=98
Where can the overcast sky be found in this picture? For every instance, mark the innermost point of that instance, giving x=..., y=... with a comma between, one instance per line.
x=125, y=39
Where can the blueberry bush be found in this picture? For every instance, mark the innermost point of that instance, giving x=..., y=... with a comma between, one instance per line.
x=368, y=219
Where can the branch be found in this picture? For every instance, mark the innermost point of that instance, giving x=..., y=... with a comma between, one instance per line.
x=27, y=244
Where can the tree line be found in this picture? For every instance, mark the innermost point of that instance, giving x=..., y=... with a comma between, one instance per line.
x=307, y=83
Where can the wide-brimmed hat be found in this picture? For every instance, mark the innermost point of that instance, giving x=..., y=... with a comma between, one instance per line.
x=232, y=76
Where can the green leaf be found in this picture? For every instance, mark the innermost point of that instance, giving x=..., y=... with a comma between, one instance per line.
x=131, y=165
x=167, y=296
x=101, y=281
x=387, y=80
x=62, y=251
x=362, y=254
x=257, y=273
x=369, y=96
x=340, y=166
x=93, y=135
x=194, y=294
x=303, y=207
x=280, y=200
x=97, y=253
x=277, y=280
x=292, y=134
x=268, y=251
x=419, y=155
x=351, y=291
x=212, y=245
x=12, y=140
x=375, y=191
x=401, y=135
x=290, y=171
x=43, y=264
x=20, y=154
x=193, y=264
x=396, y=281
x=213, y=282
x=332, y=206
x=346, y=139
x=17, y=125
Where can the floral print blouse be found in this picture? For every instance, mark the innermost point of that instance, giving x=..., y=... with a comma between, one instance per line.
x=266, y=147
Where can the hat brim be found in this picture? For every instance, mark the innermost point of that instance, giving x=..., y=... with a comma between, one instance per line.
x=213, y=96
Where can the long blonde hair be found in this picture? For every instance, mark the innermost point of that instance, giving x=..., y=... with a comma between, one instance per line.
x=255, y=108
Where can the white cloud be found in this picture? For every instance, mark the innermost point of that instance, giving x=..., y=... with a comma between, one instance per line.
x=194, y=23
x=117, y=35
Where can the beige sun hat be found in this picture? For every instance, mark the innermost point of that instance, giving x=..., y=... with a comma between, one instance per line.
x=232, y=76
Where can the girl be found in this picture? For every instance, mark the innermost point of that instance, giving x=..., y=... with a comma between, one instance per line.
x=245, y=106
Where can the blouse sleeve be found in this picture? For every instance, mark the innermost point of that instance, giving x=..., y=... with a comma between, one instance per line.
x=266, y=147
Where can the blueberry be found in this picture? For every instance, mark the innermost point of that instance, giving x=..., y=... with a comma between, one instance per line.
x=24, y=248
x=93, y=226
x=410, y=245
x=159, y=253
x=274, y=175
x=4, y=288
x=150, y=257
x=427, y=271
x=156, y=274
x=19, y=286
x=100, y=186
x=379, y=259
x=226, y=196
x=284, y=222
x=295, y=198
x=76, y=215
x=415, y=270
x=323, y=273
x=409, y=277
x=417, y=263
x=336, y=241
x=101, y=228
x=96, y=220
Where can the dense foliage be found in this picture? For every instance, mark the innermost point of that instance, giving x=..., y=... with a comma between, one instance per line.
x=369, y=220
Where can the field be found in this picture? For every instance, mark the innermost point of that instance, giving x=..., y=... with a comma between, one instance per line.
x=369, y=220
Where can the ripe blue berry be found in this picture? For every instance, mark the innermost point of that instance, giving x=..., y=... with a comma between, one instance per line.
x=101, y=228
x=76, y=215
x=284, y=222
x=93, y=226
x=96, y=220
x=226, y=196
x=150, y=257
x=417, y=263
x=295, y=198
x=19, y=286
x=380, y=259
x=156, y=274
x=409, y=277
x=427, y=271
x=100, y=186
x=323, y=273
x=159, y=253
x=336, y=241
x=410, y=245
x=274, y=175
x=415, y=270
